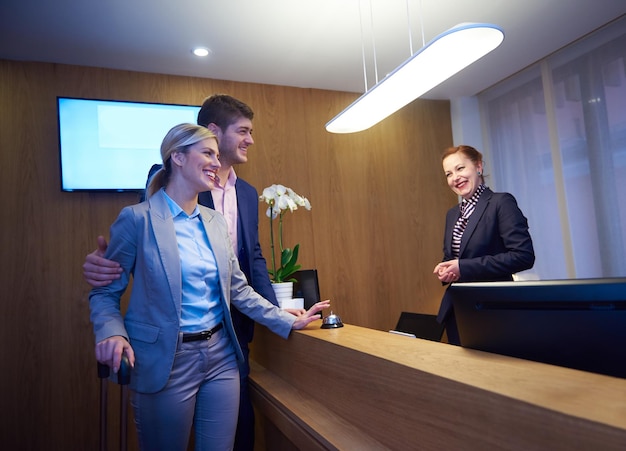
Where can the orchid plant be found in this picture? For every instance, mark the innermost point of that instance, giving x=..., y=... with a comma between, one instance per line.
x=281, y=199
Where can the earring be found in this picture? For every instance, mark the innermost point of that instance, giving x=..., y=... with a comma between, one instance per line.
x=478, y=172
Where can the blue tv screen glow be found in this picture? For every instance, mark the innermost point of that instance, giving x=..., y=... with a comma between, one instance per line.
x=110, y=145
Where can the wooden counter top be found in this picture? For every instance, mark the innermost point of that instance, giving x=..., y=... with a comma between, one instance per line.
x=403, y=391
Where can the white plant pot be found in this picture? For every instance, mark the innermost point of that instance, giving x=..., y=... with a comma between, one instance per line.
x=283, y=291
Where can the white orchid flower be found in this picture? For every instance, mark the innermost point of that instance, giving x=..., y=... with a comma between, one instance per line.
x=272, y=212
x=280, y=189
x=280, y=198
x=269, y=194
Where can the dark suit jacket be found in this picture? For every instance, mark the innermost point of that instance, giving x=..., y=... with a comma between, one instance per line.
x=496, y=243
x=250, y=257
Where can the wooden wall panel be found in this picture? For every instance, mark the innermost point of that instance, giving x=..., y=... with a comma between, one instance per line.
x=374, y=233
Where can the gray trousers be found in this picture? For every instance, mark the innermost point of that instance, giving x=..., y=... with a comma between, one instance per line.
x=203, y=391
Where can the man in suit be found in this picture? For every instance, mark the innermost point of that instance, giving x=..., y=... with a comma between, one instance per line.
x=231, y=121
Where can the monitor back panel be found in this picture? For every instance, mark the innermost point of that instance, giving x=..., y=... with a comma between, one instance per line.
x=578, y=324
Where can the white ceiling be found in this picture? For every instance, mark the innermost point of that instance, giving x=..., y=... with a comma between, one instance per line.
x=302, y=43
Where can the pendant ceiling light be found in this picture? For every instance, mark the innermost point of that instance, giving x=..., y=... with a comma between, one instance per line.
x=441, y=58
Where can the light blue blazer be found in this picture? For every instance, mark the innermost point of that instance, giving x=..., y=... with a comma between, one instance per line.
x=143, y=241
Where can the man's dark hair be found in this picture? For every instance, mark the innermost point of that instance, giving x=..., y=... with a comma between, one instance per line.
x=223, y=110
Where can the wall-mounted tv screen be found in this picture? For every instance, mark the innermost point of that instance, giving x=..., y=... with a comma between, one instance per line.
x=109, y=145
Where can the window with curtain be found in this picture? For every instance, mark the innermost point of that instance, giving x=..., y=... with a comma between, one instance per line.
x=556, y=140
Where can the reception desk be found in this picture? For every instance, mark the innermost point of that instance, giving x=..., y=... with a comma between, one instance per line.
x=354, y=388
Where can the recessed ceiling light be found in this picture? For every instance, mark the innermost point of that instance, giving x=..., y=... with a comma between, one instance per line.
x=201, y=51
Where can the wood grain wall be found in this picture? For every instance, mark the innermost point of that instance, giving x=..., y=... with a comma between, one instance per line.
x=374, y=233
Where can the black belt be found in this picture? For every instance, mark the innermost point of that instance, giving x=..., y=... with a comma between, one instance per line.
x=204, y=335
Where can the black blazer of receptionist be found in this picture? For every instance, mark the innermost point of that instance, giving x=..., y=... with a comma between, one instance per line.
x=496, y=243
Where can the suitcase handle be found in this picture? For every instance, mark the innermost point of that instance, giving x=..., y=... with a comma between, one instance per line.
x=123, y=375
x=123, y=379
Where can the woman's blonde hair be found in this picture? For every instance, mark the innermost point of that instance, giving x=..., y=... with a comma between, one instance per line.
x=178, y=139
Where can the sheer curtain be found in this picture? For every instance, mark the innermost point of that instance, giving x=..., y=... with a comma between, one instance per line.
x=556, y=140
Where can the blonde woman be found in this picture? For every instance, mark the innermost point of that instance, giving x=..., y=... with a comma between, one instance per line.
x=177, y=331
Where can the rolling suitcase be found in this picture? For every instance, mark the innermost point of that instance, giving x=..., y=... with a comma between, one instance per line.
x=123, y=379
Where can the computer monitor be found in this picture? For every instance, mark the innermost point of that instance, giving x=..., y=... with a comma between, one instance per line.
x=419, y=325
x=579, y=323
x=307, y=286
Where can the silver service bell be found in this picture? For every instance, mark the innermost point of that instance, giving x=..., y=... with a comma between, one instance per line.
x=332, y=321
